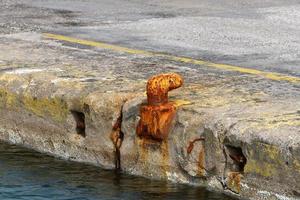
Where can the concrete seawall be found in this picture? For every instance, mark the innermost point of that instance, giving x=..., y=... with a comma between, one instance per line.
x=65, y=102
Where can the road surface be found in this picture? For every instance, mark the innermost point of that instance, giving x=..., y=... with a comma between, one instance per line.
x=263, y=35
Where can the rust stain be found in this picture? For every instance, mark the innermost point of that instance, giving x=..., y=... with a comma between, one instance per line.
x=117, y=137
x=191, y=144
x=234, y=181
x=201, y=162
x=165, y=157
x=143, y=153
x=153, y=154
x=157, y=115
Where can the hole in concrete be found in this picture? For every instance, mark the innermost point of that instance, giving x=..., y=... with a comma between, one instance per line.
x=238, y=159
x=296, y=193
x=80, y=122
x=86, y=108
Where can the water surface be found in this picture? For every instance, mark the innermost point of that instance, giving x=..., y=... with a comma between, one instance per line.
x=28, y=175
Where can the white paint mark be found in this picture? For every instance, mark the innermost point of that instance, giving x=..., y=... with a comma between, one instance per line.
x=24, y=71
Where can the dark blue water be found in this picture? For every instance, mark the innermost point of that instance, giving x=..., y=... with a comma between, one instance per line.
x=29, y=175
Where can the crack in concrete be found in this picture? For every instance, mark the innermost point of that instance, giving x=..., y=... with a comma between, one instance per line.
x=117, y=137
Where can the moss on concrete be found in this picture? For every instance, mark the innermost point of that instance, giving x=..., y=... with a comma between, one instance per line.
x=55, y=107
x=261, y=168
x=264, y=160
x=296, y=164
x=7, y=99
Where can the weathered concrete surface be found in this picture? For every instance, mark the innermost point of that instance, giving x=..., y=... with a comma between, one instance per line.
x=260, y=34
x=46, y=85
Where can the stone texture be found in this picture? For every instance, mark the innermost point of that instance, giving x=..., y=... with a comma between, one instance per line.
x=239, y=116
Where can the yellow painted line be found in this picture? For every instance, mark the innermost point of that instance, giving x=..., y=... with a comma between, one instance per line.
x=268, y=75
x=180, y=102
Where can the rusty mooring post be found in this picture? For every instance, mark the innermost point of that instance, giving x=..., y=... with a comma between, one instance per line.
x=158, y=114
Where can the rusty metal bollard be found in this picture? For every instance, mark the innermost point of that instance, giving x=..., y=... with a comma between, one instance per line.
x=157, y=115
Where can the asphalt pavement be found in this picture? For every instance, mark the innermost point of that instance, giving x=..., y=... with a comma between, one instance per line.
x=263, y=35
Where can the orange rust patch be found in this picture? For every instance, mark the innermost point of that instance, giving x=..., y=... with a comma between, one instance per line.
x=156, y=121
x=158, y=114
x=234, y=181
x=159, y=86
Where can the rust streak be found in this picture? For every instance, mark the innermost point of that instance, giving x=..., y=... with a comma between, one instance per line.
x=165, y=157
x=191, y=144
x=234, y=181
x=201, y=162
x=117, y=137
